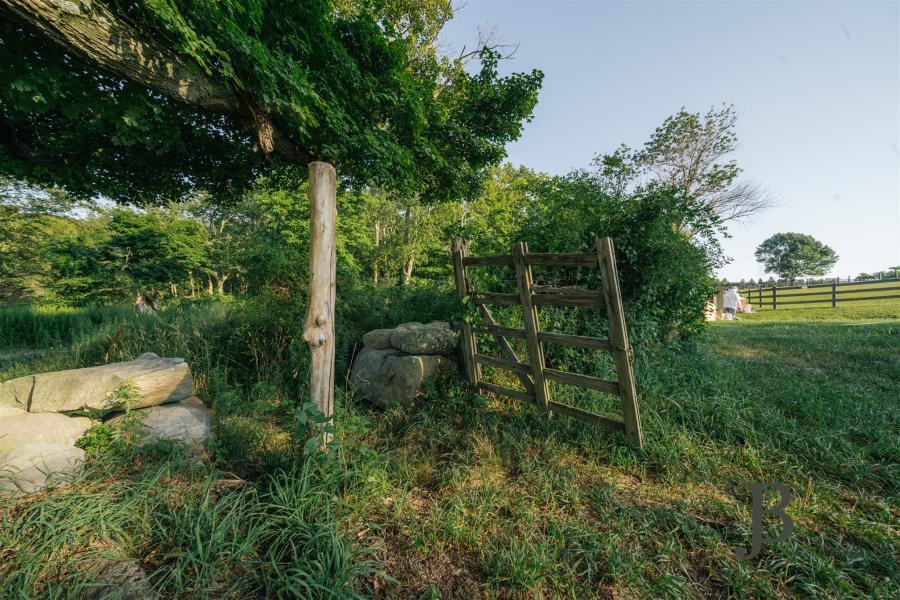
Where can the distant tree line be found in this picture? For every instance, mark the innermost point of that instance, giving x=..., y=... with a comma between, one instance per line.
x=889, y=273
x=203, y=244
x=61, y=252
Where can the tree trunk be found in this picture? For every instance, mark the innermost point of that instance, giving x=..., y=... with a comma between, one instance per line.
x=377, y=250
x=408, y=265
x=220, y=283
x=319, y=330
x=406, y=269
x=144, y=303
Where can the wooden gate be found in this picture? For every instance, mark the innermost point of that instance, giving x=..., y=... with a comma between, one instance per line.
x=534, y=375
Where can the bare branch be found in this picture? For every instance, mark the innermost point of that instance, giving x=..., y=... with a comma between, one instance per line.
x=488, y=39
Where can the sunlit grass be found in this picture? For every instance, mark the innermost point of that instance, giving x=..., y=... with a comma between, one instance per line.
x=488, y=496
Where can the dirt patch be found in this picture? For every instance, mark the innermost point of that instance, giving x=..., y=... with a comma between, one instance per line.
x=446, y=573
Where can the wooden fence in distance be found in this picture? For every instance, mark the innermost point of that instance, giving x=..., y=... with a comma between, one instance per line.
x=533, y=374
x=828, y=293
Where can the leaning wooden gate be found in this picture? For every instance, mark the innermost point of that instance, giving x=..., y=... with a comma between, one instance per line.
x=534, y=375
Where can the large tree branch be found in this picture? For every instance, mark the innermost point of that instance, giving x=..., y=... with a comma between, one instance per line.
x=91, y=31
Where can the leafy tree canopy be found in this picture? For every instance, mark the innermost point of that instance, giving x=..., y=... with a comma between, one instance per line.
x=792, y=255
x=690, y=152
x=143, y=101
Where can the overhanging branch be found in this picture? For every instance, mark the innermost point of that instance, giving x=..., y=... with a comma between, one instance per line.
x=91, y=31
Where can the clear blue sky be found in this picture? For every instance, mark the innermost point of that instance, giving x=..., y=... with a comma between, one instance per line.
x=816, y=85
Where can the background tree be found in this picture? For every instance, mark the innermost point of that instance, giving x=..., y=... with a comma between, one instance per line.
x=689, y=152
x=792, y=255
x=123, y=255
x=27, y=219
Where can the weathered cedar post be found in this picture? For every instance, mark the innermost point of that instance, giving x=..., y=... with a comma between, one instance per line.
x=319, y=330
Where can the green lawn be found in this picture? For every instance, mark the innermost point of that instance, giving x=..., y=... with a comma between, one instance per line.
x=467, y=496
x=481, y=497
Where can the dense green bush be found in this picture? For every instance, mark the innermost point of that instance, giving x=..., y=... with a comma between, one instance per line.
x=666, y=247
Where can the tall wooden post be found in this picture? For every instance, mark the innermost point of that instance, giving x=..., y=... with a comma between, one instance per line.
x=319, y=330
x=618, y=335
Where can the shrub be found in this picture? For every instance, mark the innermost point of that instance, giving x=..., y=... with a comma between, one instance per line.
x=666, y=247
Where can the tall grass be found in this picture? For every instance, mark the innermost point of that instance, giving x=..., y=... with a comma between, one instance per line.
x=38, y=327
x=184, y=531
x=242, y=341
x=278, y=535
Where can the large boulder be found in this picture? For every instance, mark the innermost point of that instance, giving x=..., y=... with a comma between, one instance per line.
x=23, y=428
x=388, y=377
x=92, y=390
x=38, y=465
x=432, y=338
x=189, y=422
x=378, y=339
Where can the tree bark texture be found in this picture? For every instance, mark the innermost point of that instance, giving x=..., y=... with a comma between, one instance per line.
x=319, y=330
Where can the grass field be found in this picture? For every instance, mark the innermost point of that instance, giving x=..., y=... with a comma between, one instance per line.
x=467, y=496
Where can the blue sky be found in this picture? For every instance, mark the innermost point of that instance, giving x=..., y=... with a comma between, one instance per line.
x=816, y=85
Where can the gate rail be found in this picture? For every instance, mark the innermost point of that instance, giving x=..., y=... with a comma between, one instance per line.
x=534, y=374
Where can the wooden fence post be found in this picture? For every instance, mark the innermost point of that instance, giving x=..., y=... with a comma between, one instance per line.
x=467, y=338
x=618, y=334
x=319, y=330
x=833, y=295
x=532, y=326
x=774, y=297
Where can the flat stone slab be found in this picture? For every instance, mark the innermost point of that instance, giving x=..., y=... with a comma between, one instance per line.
x=188, y=422
x=39, y=465
x=22, y=428
x=91, y=390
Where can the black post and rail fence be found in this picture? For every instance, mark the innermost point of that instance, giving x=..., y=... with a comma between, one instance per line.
x=825, y=294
